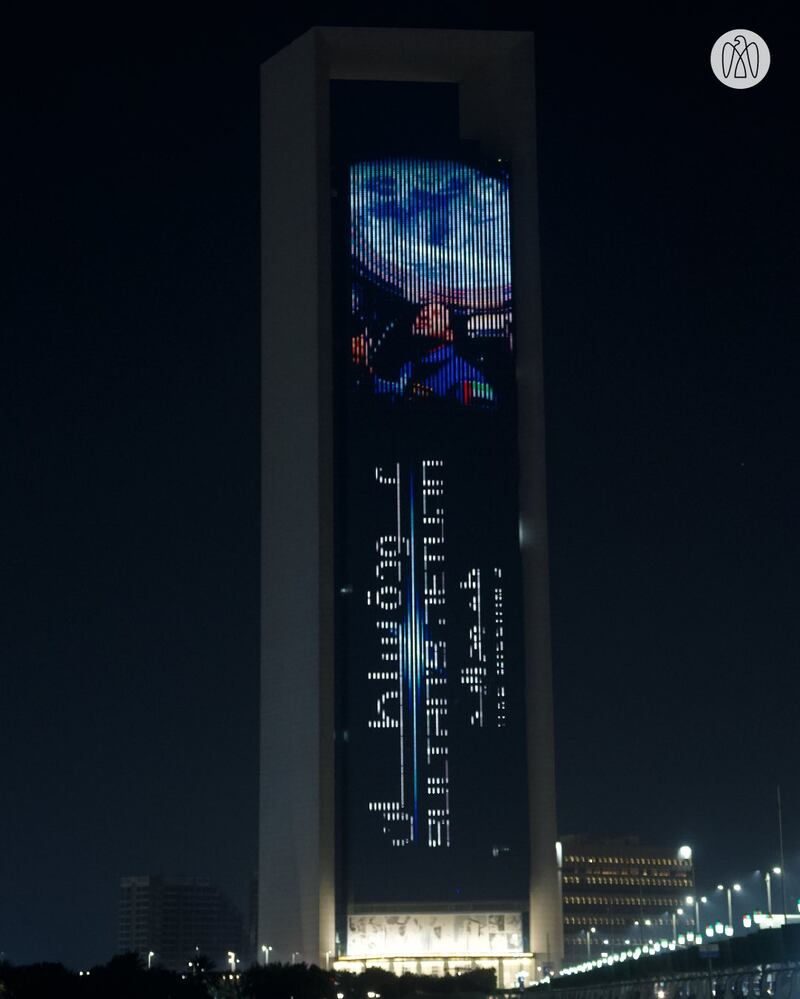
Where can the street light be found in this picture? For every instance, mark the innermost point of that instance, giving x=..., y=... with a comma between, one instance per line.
x=675, y=914
x=589, y=933
x=232, y=960
x=768, y=882
x=266, y=949
x=150, y=955
x=729, y=889
x=695, y=901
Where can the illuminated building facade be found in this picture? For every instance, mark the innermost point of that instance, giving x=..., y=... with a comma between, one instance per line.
x=617, y=892
x=407, y=803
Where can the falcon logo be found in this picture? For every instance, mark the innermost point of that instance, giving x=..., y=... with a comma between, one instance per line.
x=740, y=59
x=734, y=55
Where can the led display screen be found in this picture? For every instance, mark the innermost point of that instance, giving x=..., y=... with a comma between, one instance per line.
x=434, y=933
x=433, y=788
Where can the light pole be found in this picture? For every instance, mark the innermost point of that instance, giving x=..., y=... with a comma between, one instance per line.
x=589, y=933
x=150, y=955
x=675, y=914
x=768, y=882
x=232, y=960
x=695, y=901
x=266, y=949
x=783, y=861
x=729, y=889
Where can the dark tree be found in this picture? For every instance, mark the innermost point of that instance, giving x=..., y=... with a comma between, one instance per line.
x=288, y=981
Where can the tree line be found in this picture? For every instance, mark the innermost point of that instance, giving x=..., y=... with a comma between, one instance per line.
x=126, y=976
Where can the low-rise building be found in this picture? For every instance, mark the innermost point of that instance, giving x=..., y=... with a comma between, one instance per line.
x=619, y=893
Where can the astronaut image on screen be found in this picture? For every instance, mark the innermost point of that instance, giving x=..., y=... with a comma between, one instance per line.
x=431, y=271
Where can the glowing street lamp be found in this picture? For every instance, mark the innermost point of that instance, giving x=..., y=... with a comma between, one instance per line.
x=150, y=955
x=729, y=889
x=589, y=933
x=695, y=901
x=768, y=882
x=266, y=949
x=675, y=914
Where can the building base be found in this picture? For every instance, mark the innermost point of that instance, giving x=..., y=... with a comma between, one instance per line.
x=511, y=969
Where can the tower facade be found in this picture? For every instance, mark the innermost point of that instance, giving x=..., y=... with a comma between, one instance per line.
x=407, y=803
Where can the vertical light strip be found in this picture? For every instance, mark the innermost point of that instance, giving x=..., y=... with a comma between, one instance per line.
x=400, y=650
x=414, y=652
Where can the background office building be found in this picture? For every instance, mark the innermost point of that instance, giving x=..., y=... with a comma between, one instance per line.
x=618, y=893
x=177, y=919
x=407, y=808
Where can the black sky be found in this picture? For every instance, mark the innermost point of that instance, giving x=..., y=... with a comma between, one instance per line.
x=130, y=534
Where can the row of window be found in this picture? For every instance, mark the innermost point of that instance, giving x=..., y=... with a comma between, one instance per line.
x=640, y=901
x=613, y=879
x=619, y=872
x=601, y=919
x=649, y=861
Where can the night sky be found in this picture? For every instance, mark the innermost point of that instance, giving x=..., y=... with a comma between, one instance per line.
x=130, y=444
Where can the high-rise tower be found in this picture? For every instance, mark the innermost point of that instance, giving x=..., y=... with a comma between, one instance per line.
x=407, y=800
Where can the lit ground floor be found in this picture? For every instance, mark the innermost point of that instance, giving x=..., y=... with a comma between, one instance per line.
x=512, y=970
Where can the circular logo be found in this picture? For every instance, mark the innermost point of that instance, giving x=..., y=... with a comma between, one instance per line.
x=740, y=59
